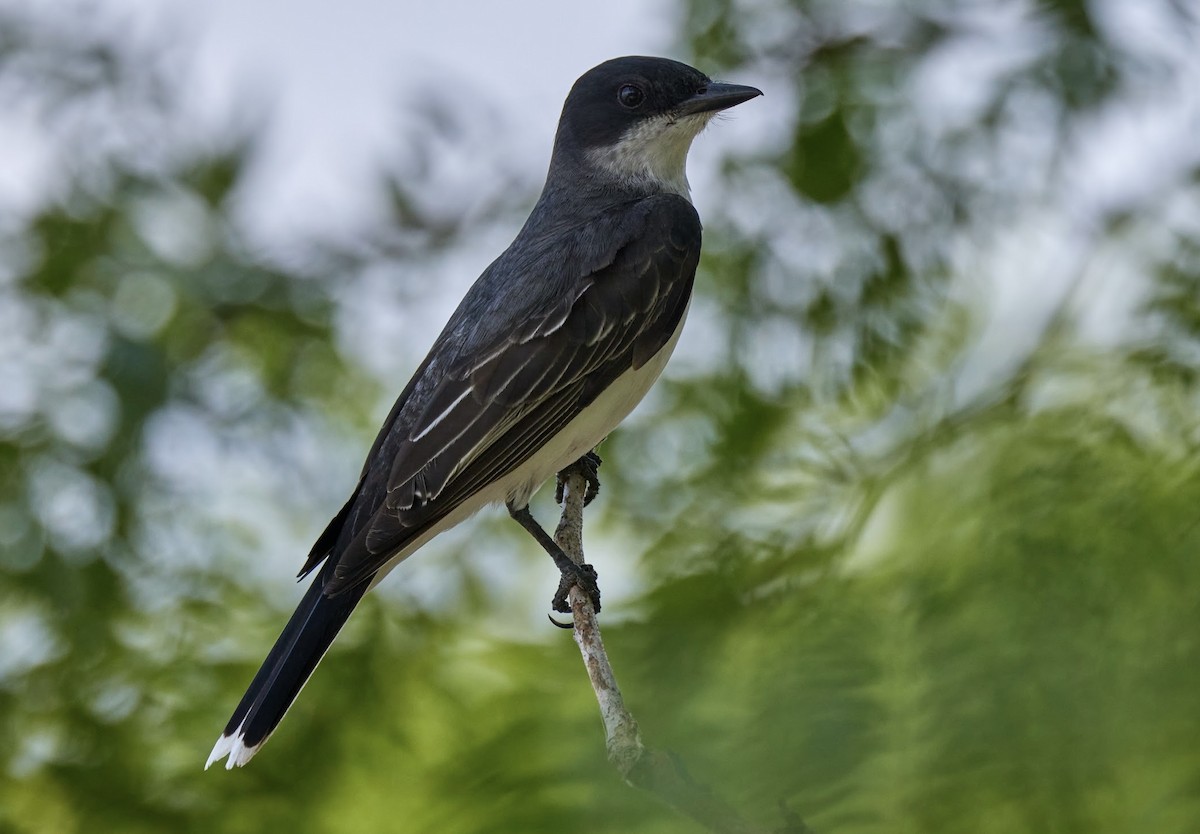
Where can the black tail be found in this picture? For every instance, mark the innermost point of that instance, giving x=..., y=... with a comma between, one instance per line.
x=293, y=658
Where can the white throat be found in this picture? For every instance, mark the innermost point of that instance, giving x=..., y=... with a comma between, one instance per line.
x=653, y=152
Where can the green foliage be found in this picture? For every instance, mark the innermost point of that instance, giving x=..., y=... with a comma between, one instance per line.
x=896, y=574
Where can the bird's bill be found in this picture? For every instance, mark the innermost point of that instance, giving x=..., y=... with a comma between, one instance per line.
x=718, y=96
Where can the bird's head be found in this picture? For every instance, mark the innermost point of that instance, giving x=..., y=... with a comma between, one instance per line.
x=632, y=120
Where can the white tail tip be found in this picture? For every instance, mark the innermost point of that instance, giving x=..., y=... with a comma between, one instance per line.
x=233, y=747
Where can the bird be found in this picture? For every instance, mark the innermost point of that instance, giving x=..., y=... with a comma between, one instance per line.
x=549, y=350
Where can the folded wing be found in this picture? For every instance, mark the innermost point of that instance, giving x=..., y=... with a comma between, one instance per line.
x=509, y=390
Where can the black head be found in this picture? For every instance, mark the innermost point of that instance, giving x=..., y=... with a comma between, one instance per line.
x=615, y=96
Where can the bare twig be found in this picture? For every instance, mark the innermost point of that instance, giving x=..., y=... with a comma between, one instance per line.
x=642, y=767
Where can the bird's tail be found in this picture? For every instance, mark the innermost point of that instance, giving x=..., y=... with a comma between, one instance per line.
x=283, y=674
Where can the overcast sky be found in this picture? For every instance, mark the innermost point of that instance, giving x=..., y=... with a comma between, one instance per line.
x=335, y=74
x=333, y=82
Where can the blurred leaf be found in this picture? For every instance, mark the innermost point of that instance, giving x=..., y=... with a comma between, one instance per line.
x=826, y=163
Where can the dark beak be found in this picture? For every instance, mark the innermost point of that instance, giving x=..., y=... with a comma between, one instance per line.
x=717, y=96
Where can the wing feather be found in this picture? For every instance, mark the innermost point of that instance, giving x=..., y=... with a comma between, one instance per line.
x=506, y=397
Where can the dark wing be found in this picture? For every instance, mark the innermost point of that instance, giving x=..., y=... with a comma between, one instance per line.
x=505, y=396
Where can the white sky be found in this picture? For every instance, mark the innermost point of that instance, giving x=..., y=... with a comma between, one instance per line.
x=334, y=75
x=332, y=78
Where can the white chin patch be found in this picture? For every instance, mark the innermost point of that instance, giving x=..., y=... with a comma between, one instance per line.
x=654, y=152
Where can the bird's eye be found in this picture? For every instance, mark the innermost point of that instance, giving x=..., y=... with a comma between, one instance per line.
x=630, y=96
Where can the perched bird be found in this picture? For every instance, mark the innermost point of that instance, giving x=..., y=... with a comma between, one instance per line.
x=551, y=348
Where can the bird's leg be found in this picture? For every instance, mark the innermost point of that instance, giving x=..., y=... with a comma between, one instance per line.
x=572, y=574
x=588, y=467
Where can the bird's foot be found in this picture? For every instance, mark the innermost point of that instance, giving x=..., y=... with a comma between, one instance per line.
x=587, y=466
x=572, y=574
x=582, y=575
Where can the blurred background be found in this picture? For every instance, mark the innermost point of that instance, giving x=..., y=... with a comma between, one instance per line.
x=905, y=541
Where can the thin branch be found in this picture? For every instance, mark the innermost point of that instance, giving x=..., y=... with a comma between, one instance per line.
x=654, y=771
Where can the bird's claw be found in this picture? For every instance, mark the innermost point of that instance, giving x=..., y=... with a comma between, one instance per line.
x=585, y=577
x=588, y=467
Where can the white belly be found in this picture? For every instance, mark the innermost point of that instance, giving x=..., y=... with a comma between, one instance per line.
x=577, y=438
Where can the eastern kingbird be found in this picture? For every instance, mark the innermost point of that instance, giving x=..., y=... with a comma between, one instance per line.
x=550, y=349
